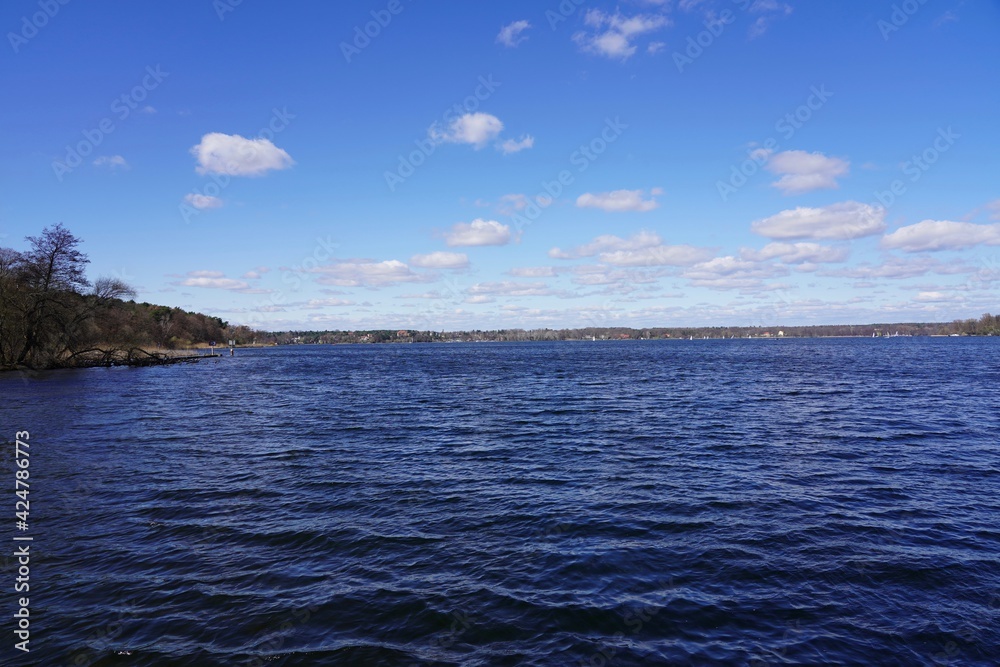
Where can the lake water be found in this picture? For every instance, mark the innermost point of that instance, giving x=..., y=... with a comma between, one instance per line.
x=741, y=502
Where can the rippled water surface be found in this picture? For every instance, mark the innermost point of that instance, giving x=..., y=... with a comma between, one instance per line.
x=640, y=502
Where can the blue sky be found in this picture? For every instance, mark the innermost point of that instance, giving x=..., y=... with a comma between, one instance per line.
x=446, y=165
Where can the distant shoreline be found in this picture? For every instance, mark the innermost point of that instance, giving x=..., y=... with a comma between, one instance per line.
x=160, y=357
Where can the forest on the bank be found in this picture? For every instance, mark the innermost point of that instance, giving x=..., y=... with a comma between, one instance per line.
x=52, y=316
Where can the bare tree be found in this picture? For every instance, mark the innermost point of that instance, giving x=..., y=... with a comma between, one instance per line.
x=52, y=274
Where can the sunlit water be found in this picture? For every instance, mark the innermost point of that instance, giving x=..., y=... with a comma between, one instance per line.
x=742, y=502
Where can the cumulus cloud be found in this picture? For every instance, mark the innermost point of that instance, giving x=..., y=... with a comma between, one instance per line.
x=662, y=255
x=613, y=35
x=533, y=272
x=729, y=272
x=475, y=129
x=804, y=172
x=894, y=268
x=592, y=275
x=511, y=203
x=479, y=232
x=619, y=200
x=797, y=253
x=441, y=260
x=214, y=280
x=689, y=5
x=934, y=297
x=508, y=288
x=238, y=156
x=367, y=273
x=608, y=243
x=837, y=222
x=111, y=161
x=768, y=10
x=642, y=249
x=478, y=130
x=932, y=235
x=202, y=202
x=316, y=304
x=510, y=146
x=510, y=35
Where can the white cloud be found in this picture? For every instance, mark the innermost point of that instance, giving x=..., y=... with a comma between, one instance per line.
x=994, y=208
x=441, y=260
x=592, y=275
x=533, y=272
x=213, y=280
x=238, y=156
x=931, y=235
x=111, y=161
x=148, y=109
x=656, y=47
x=642, y=249
x=508, y=288
x=770, y=9
x=619, y=200
x=367, y=273
x=474, y=129
x=797, y=253
x=510, y=34
x=202, y=202
x=608, y=243
x=689, y=5
x=729, y=272
x=513, y=202
x=478, y=232
x=933, y=297
x=836, y=222
x=662, y=255
x=613, y=34
x=804, y=172
x=895, y=268
x=316, y=304
x=510, y=146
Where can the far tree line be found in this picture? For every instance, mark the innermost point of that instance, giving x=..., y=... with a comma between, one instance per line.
x=987, y=325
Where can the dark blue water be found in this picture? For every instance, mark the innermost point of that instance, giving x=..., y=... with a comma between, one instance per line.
x=662, y=503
